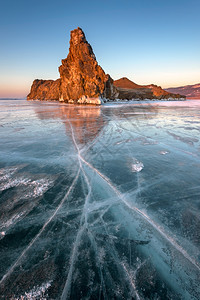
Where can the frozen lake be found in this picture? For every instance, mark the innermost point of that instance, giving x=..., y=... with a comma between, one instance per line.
x=99, y=202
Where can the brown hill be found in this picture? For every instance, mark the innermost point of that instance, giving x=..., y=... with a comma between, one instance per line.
x=126, y=83
x=129, y=90
x=190, y=91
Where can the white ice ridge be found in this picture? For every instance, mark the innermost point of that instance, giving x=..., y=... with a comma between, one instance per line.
x=141, y=213
x=11, y=269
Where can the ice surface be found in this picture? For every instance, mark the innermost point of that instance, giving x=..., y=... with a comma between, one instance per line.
x=99, y=202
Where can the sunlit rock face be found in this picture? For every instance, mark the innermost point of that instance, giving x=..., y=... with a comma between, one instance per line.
x=82, y=80
x=80, y=73
x=45, y=90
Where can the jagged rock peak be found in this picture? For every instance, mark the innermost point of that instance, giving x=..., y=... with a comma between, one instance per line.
x=78, y=39
x=77, y=36
x=80, y=74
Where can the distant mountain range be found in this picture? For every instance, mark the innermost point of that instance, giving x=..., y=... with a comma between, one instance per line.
x=190, y=91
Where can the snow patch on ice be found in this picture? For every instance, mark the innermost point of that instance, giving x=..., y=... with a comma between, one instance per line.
x=36, y=187
x=164, y=152
x=38, y=292
x=40, y=187
x=137, y=166
x=12, y=220
x=14, y=183
x=6, y=173
x=2, y=234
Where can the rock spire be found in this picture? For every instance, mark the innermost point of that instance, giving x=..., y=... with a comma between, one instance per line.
x=82, y=80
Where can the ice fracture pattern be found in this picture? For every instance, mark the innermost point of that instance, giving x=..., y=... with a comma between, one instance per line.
x=99, y=202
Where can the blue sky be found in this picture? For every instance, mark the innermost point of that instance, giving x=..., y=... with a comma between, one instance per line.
x=148, y=41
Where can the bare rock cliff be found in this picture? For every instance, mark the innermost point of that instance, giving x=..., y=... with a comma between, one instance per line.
x=45, y=90
x=80, y=73
x=82, y=80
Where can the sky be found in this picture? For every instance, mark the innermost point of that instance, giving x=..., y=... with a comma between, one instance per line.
x=148, y=41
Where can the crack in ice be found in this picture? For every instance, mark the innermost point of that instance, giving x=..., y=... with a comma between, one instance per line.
x=83, y=225
x=145, y=216
x=41, y=230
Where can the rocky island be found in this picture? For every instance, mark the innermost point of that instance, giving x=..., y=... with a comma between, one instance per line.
x=83, y=81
